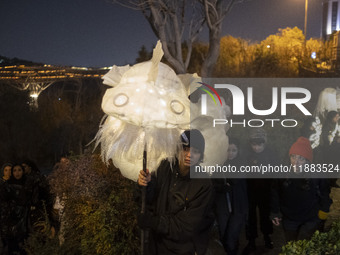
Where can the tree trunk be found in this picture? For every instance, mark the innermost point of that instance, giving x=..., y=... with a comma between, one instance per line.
x=166, y=27
x=213, y=52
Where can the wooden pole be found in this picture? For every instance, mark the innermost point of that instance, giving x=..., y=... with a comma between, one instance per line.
x=144, y=233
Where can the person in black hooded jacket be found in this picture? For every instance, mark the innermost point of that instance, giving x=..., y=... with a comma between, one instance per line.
x=180, y=213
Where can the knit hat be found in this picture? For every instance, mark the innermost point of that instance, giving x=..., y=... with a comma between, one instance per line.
x=303, y=148
x=258, y=135
x=193, y=138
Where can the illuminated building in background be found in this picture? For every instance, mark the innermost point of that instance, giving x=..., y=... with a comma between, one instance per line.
x=330, y=17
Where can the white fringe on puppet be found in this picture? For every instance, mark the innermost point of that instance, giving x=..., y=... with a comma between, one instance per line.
x=329, y=100
x=147, y=108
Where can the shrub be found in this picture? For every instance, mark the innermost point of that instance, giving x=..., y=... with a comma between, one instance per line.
x=99, y=215
x=319, y=244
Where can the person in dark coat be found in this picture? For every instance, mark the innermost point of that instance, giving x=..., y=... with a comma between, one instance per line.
x=6, y=171
x=180, y=214
x=300, y=203
x=330, y=129
x=231, y=202
x=259, y=190
x=17, y=198
x=42, y=199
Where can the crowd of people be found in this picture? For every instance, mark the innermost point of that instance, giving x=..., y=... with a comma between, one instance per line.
x=25, y=200
x=179, y=208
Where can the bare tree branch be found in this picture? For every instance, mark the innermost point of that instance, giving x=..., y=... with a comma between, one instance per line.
x=174, y=24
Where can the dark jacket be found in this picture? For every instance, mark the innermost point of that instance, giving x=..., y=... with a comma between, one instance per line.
x=4, y=208
x=237, y=190
x=300, y=199
x=267, y=156
x=183, y=206
x=17, y=200
x=259, y=189
x=41, y=200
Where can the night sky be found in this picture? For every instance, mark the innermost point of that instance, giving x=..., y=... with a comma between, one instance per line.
x=95, y=33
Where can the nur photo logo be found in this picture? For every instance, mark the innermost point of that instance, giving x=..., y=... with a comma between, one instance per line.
x=204, y=97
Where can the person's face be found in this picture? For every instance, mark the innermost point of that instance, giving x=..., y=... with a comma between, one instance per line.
x=190, y=156
x=27, y=168
x=297, y=161
x=232, y=151
x=18, y=172
x=257, y=147
x=7, y=172
x=336, y=118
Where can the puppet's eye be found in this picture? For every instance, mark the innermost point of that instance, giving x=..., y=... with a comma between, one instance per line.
x=176, y=107
x=120, y=100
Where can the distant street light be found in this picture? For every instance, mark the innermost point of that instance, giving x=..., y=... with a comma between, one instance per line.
x=306, y=11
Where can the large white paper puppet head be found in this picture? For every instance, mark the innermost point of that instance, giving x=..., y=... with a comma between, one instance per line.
x=147, y=108
x=147, y=94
